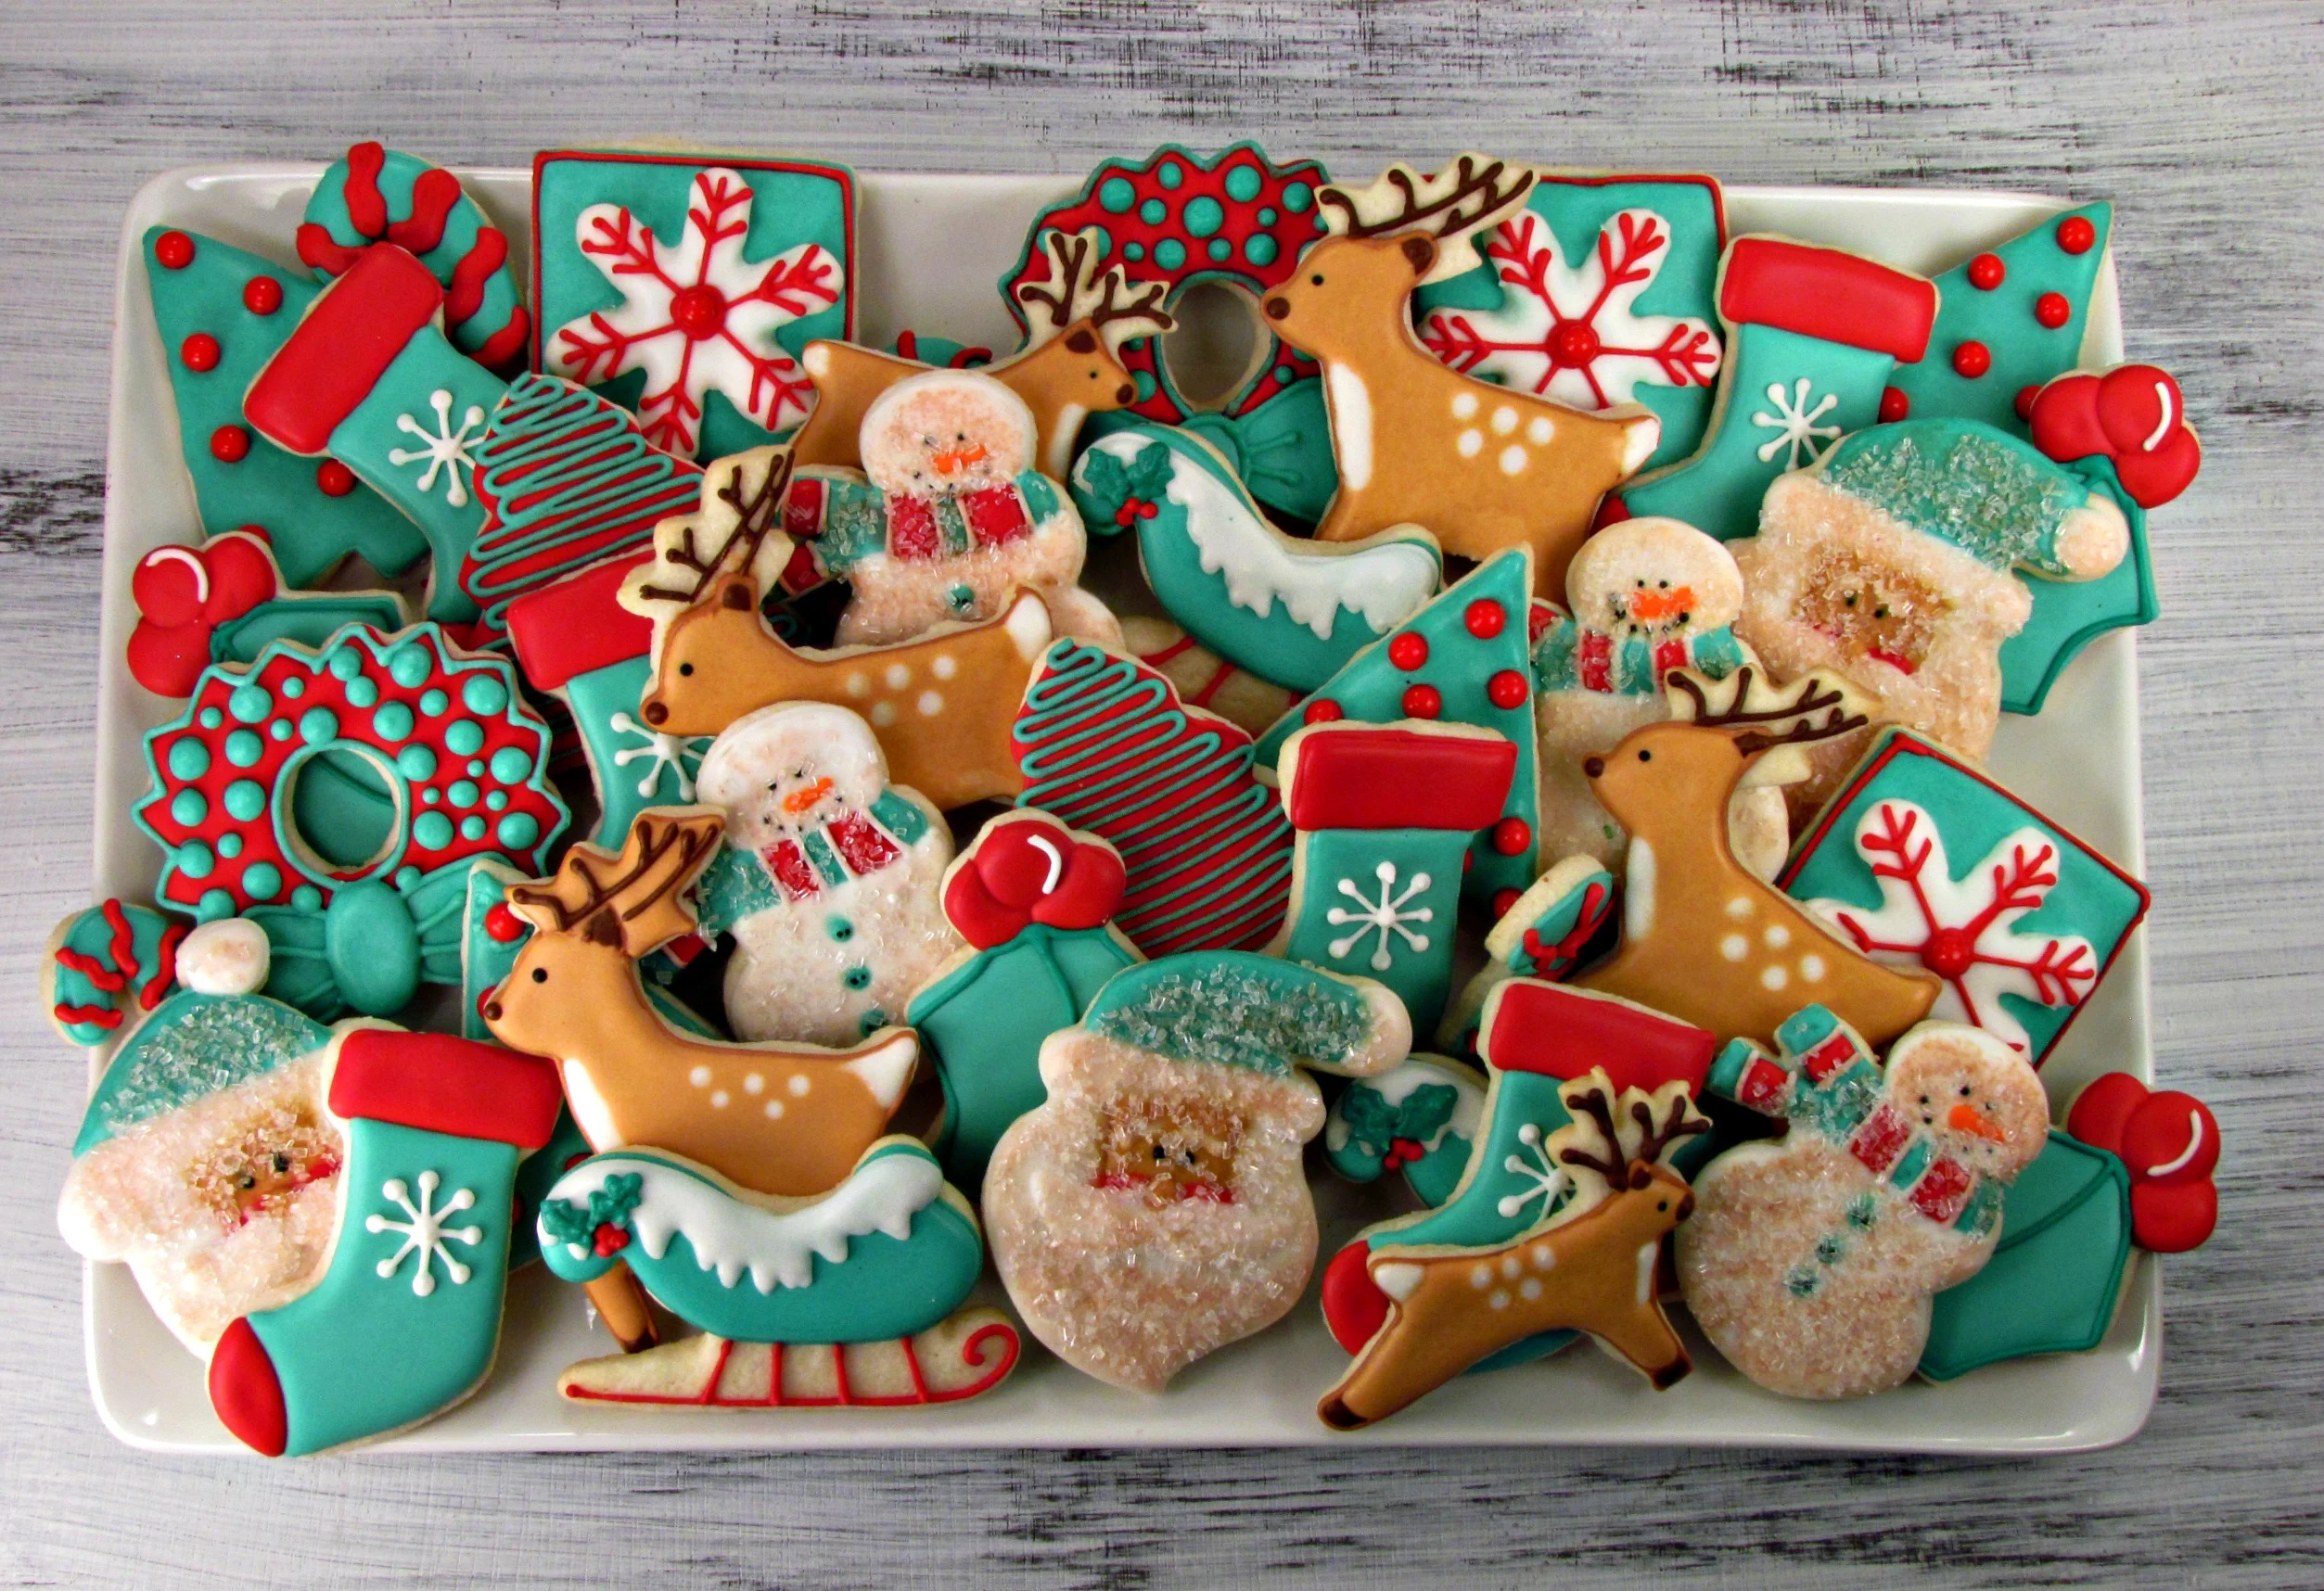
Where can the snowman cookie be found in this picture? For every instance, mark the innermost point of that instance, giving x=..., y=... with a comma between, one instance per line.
x=947, y=518
x=1811, y=1260
x=829, y=880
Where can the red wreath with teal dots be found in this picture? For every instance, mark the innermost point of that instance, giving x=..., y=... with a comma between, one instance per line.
x=1178, y=218
x=464, y=756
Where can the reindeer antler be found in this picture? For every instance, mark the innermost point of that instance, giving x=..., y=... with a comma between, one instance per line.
x=749, y=512
x=1610, y=1134
x=632, y=899
x=1656, y=1136
x=1076, y=290
x=1592, y=1097
x=1474, y=192
x=1790, y=715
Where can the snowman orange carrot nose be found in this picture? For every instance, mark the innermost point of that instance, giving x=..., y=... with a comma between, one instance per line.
x=805, y=798
x=952, y=461
x=1659, y=605
x=1968, y=1118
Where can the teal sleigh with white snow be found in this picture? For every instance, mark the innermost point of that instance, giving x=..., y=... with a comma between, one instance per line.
x=850, y=1298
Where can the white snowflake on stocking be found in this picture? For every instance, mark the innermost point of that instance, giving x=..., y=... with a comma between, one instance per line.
x=1794, y=423
x=1542, y=1180
x=1964, y=931
x=443, y=449
x=425, y=1232
x=1386, y=916
x=695, y=316
x=681, y=754
x=1567, y=333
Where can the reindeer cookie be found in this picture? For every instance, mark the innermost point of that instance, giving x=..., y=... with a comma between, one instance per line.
x=1153, y=1208
x=949, y=517
x=1810, y=1261
x=831, y=880
x=1645, y=596
x=1483, y=467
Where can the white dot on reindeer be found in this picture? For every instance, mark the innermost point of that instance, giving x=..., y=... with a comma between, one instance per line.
x=883, y=714
x=1734, y=947
x=929, y=704
x=718, y=1097
x=1777, y=937
x=1811, y=968
x=945, y=666
x=1504, y=420
x=1499, y=1300
x=1529, y=1288
x=858, y=685
x=699, y=1076
x=1511, y=1266
x=1739, y=907
x=1465, y=405
x=1468, y=444
x=1773, y=978
x=775, y=1110
x=897, y=676
x=1513, y=459
x=799, y=1085
x=755, y=1084
x=1481, y=1277
x=1539, y=430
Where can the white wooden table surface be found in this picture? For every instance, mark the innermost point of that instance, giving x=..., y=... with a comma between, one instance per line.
x=2201, y=122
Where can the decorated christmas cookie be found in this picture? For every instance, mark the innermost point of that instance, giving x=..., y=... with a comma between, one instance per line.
x=1385, y=817
x=2169, y=1143
x=773, y=1117
x=830, y=879
x=1703, y=937
x=1153, y=1208
x=373, y=194
x=106, y=968
x=1546, y=933
x=224, y=602
x=686, y=286
x=1420, y=1118
x=206, y=1161
x=1288, y=610
x=949, y=517
x=1035, y=902
x=371, y=945
x=1920, y=862
x=223, y=314
x=405, y=1321
x=1460, y=660
x=1812, y=335
x=862, y=1276
x=376, y=757
x=1235, y=222
x=1485, y=467
x=1600, y=291
x=1587, y=1264
x=1810, y=1261
x=1068, y=369
x=1105, y=745
x=1894, y=562
x=1203, y=678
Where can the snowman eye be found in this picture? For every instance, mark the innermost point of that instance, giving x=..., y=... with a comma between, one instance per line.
x=1964, y=1090
x=1664, y=584
x=1880, y=611
x=1849, y=598
x=960, y=436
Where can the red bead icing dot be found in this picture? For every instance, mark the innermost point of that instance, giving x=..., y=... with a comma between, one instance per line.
x=1422, y=702
x=174, y=249
x=2075, y=235
x=1485, y=619
x=2052, y=311
x=263, y=295
x=230, y=444
x=1893, y=406
x=2023, y=401
x=503, y=924
x=1503, y=900
x=1973, y=359
x=698, y=311
x=1322, y=710
x=333, y=478
x=1510, y=836
x=199, y=351
x=1409, y=650
x=1986, y=273
x=1506, y=689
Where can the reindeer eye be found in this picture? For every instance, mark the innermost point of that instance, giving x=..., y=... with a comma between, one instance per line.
x=1880, y=611
x=685, y=669
x=1317, y=279
x=1849, y=598
x=1646, y=757
x=540, y=975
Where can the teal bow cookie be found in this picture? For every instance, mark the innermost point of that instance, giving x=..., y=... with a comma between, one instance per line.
x=371, y=947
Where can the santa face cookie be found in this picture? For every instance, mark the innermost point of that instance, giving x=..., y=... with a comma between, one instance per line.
x=1810, y=1261
x=832, y=877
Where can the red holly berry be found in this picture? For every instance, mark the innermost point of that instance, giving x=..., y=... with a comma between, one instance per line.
x=174, y=249
x=230, y=444
x=1986, y=273
x=1409, y=650
x=1131, y=511
x=609, y=1240
x=2052, y=310
x=1402, y=1151
x=333, y=478
x=1485, y=619
x=1424, y=702
x=263, y=295
x=1971, y=359
x=2075, y=235
x=1893, y=406
x=199, y=351
x=1322, y=710
x=503, y=924
x=1511, y=836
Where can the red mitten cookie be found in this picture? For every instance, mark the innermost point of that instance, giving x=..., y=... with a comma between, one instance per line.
x=183, y=594
x=2170, y=1143
x=2133, y=416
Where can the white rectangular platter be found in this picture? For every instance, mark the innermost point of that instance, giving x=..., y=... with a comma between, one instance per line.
x=932, y=247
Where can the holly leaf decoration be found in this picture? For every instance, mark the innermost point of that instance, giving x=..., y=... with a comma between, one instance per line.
x=567, y=1222
x=1376, y=1124
x=612, y=1205
x=1122, y=495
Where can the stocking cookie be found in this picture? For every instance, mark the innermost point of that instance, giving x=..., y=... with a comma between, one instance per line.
x=226, y=601
x=1810, y=1261
x=1153, y=1209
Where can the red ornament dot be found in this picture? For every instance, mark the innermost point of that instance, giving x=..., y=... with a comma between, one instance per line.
x=1424, y=702
x=2052, y=310
x=2075, y=235
x=1510, y=836
x=263, y=295
x=698, y=311
x=1574, y=343
x=199, y=351
x=1986, y=273
x=333, y=478
x=1893, y=405
x=1503, y=900
x=1507, y=688
x=258, y=530
x=230, y=444
x=1409, y=650
x=1322, y=710
x=2023, y=401
x=1485, y=619
x=174, y=249
x=503, y=924
x=1950, y=952
x=1972, y=360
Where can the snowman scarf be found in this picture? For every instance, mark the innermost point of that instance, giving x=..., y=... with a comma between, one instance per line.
x=846, y=521
x=1569, y=657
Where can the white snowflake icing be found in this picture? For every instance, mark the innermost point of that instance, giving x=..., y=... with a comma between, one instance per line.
x=1386, y=916
x=1566, y=331
x=1794, y=423
x=696, y=316
x=681, y=754
x=1964, y=931
x=425, y=1232
x=1544, y=1182
x=443, y=449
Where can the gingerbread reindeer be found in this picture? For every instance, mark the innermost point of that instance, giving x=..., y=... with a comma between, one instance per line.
x=1703, y=939
x=1482, y=466
x=1068, y=369
x=775, y=1118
